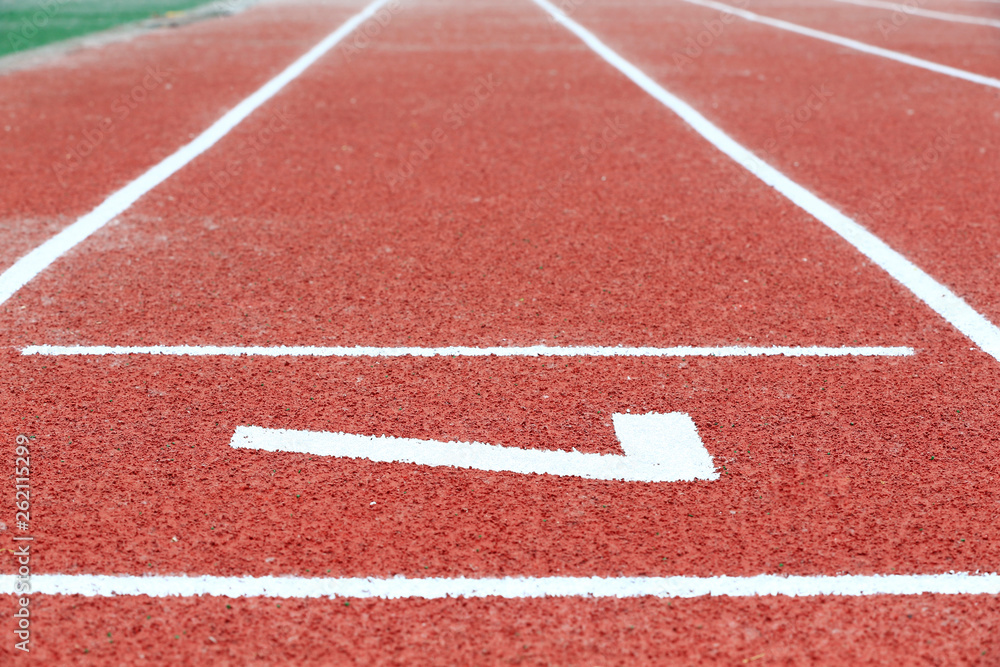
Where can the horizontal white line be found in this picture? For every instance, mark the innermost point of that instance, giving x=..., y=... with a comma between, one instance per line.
x=938, y=297
x=533, y=351
x=96, y=585
x=928, y=13
x=851, y=43
x=36, y=261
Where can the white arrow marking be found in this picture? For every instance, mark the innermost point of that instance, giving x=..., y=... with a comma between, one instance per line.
x=658, y=448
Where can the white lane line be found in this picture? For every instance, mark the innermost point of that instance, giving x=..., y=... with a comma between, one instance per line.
x=97, y=585
x=532, y=351
x=658, y=448
x=36, y=261
x=929, y=13
x=942, y=300
x=851, y=43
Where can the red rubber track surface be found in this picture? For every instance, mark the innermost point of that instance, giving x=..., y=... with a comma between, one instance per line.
x=512, y=232
x=990, y=10
x=874, y=137
x=827, y=467
x=975, y=48
x=85, y=124
x=516, y=230
x=927, y=629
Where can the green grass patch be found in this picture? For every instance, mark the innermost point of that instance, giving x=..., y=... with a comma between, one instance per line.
x=26, y=24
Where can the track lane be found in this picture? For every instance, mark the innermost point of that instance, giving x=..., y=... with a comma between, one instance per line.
x=846, y=443
x=969, y=47
x=86, y=123
x=913, y=525
x=654, y=239
x=985, y=8
x=705, y=631
x=912, y=10
x=909, y=154
x=418, y=398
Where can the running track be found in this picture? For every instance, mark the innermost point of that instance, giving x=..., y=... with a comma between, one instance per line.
x=562, y=206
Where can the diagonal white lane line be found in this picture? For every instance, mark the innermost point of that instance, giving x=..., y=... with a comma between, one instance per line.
x=851, y=43
x=39, y=259
x=927, y=13
x=532, y=351
x=98, y=585
x=938, y=297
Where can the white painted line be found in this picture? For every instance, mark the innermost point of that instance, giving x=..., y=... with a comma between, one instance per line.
x=942, y=300
x=658, y=448
x=36, y=261
x=533, y=351
x=929, y=13
x=98, y=585
x=850, y=43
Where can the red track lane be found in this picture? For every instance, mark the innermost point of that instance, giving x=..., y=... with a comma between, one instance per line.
x=928, y=629
x=990, y=10
x=314, y=267
x=827, y=467
x=77, y=129
x=512, y=231
x=975, y=48
x=911, y=154
x=183, y=280
x=827, y=462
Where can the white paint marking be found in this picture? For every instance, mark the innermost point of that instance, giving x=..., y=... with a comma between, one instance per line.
x=942, y=300
x=849, y=43
x=533, y=351
x=98, y=585
x=658, y=448
x=36, y=261
x=928, y=13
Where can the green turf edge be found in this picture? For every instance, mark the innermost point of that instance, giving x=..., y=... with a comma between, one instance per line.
x=27, y=25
